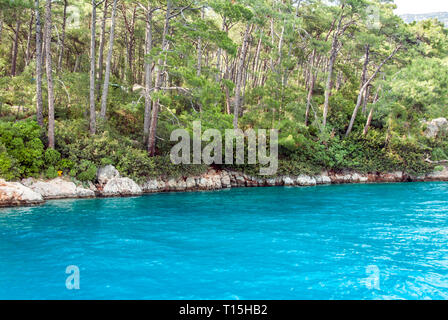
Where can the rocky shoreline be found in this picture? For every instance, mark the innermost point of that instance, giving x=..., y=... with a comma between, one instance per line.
x=111, y=184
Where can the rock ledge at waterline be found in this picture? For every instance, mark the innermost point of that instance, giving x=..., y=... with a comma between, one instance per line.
x=111, y=184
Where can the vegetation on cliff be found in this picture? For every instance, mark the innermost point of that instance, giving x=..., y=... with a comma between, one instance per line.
x=348, y=84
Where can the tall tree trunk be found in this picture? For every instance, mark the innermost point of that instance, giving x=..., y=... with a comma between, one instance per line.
x=48, y=29
x=313, y=75
x=199, y=62
x=333, y=54
x=366, y=100
x=148, y=74
x=130, y=42
x=257, y=60
x=62, y=48
x=101, y=50
x=240, y=75
x=92, y=70
x=1, y=25
x=272, y=43
x=28, y=39
x=364, y=88
x=15, y=47
x=372, y=110
x=108, y=63
x=77, y=61
x=219, y=55
x=366, y=64
x=39, y=102
x=199, y=58
x=159, y=80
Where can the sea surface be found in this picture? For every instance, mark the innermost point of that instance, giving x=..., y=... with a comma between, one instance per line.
x=385, y=241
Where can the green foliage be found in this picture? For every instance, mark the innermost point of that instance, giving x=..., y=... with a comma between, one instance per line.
x=86, y=171
x=51, y=173
x=277, y=71
x=52, y=157
x=439, y=154
x=8, y=165
x=421, y=87
x=23, y=147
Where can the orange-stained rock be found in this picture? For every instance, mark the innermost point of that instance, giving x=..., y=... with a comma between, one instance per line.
x=16, y=194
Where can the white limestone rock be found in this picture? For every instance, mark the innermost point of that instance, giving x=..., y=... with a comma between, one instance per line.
x=107, y=173
x=225, y=180
x=359, y=178
x=306, y=181
x=16, y=194
x=121, y=187
x=288, y=181
x=190, y=183
x=323, y=178
x=441, y=175
x=435, y=127
x=150, y=186
x=59, y=189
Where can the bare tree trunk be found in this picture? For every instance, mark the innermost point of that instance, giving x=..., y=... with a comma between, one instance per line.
x=219, y=54
x=199, y=64
x=92, y=70
x=311, y=88
x=16, y=47
x=240, y=75
x=1, y=25
x=39, y=102
x=333, y=54
x=257, y=60
x=272, y=43
x=366, y=64
x=372, y=110
x=361, y=93
x=159, y=80
x=77, y=61
x=28, y=40
x=64, y=24
x=101, y=50
x=130, y=43
x=108, y=63
x=366, y=100
x=148, y=74
x=48, y=29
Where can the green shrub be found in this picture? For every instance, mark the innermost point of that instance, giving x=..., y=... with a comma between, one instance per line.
x=439, y=154
x=66, y=164
x=87, y=171
x=73, y=173
x=8, y=165
x=52, y=157
x=51, y=173
x=106, y=162
x=23, y=144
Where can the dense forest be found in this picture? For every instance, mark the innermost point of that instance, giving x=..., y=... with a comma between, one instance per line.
x=348, y=84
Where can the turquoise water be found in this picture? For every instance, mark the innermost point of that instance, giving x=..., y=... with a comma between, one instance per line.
x=386, y=241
